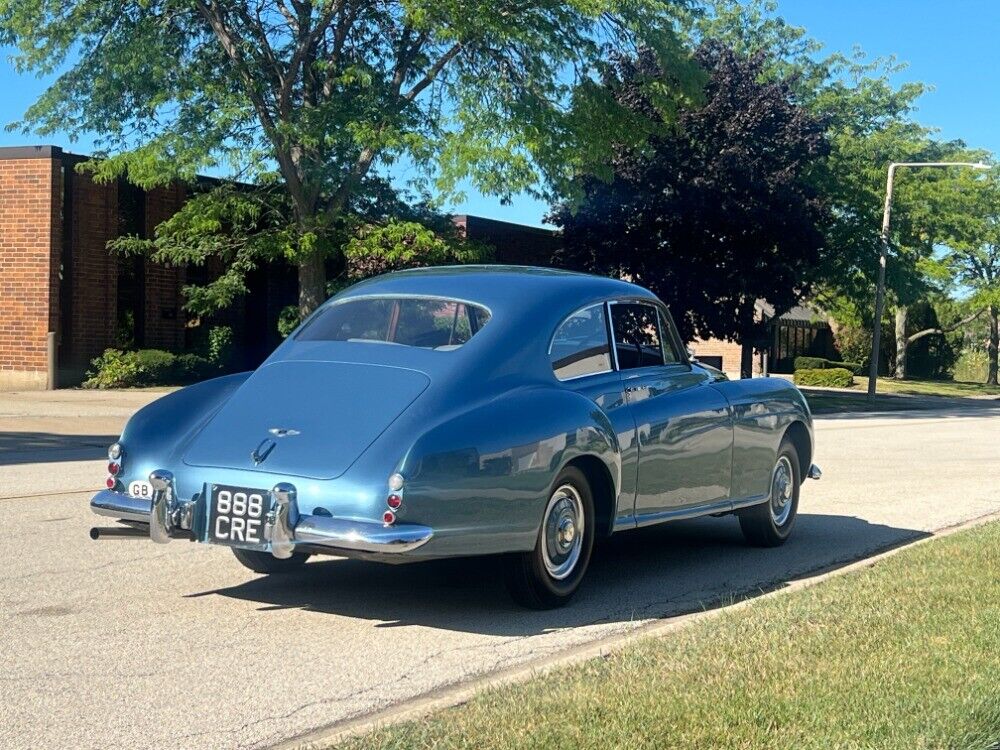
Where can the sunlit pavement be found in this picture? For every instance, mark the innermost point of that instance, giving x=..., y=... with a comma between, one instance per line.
x=129, y=643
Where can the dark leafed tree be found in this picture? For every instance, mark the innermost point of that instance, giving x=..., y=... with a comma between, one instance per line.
x=714, y=211
x=308, y=99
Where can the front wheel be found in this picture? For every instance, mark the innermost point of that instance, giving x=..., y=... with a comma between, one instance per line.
x=550, y=574
x=769, y=524
x=265, y=562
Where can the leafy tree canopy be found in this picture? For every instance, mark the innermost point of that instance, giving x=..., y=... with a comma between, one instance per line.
x=715, y=212
x=308, y=100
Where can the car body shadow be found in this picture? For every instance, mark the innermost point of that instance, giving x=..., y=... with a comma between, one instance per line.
x=50, y=447
x=657, y=572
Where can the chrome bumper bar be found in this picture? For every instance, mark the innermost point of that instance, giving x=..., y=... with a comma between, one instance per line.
x=171, y=518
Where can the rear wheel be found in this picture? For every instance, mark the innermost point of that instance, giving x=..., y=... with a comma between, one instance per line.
x=550, y=574
x=770, y=524
x=265, y=562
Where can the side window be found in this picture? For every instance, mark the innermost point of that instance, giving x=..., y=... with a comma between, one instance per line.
x=637, y=335
x=670, y=354
x=580, y=344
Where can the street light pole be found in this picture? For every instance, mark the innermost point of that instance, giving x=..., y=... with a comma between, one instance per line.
x=884, y=256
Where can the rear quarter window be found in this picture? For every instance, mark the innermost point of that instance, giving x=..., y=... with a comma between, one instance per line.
x=580, y=344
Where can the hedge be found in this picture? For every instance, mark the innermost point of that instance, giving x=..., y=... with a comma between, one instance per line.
x=819, y=363
x=145, y=367
x=834, y=377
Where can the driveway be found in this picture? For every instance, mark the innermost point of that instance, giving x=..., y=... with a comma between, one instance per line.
x=129, y=643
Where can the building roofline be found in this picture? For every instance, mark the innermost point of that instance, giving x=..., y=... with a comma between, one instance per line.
x=30, y=152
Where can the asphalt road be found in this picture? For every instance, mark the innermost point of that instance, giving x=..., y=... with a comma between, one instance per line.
x=107, y=644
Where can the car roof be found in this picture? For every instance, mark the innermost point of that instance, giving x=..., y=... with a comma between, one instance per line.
x=498, y=286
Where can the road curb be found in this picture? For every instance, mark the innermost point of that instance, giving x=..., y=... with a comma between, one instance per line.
x=455, y=694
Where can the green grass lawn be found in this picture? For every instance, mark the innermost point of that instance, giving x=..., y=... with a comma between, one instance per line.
x=928, y=387
x=902, y=655
x=893, y=395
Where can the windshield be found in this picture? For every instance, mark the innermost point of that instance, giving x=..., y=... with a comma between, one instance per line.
x=429, y=323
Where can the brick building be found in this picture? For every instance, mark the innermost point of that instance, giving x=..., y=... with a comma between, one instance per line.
x=64, y=298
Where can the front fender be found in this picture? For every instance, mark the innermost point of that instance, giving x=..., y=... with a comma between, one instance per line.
x=481, y=478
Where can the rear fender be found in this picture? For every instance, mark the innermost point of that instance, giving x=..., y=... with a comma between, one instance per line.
x=157, y=435
x=483, y=476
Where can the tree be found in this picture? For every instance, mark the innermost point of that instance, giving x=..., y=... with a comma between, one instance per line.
x=972, y=253
x=308, y=100
x=715, y=212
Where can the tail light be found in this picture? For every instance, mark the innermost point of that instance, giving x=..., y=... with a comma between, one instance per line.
x=388, y=518
x=394, y=501
x=114, y=468
x=110, y=484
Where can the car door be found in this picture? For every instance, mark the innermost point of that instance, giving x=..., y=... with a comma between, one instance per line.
x=581, y=357
x=684, y=428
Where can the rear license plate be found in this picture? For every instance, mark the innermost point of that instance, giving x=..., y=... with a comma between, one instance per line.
x=238, y=515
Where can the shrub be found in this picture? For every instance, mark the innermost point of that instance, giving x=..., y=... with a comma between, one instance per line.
x=114, y=369
x=819, y=363
x=834, y=377
x=147, y=367
x=972, y=366
x=810, y=363
x=190, y=368
x=156, y=365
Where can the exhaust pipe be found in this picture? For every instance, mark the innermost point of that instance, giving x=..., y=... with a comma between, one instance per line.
x=118, y=532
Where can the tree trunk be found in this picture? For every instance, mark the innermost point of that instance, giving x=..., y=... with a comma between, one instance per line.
x=746, y=361
x=991, y=377
x=901, y=341
x=312, y=283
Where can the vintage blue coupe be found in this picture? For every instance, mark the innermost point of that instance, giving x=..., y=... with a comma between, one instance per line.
x=463, y=411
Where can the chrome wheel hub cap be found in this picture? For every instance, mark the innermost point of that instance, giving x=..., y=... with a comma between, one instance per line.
x=562, y=532
x=782, y=491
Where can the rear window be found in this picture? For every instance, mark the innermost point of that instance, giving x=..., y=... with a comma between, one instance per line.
x=429, y=323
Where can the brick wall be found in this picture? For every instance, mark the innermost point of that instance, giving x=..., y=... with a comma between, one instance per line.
x=164, y=318
x=93, y=219
x=729, y=351
x=30, y=199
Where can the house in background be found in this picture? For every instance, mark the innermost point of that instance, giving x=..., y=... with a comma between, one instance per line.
x=797, y=333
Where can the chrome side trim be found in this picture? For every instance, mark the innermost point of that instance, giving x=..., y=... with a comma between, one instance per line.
x=361, y=536
x=119, y=505
x=814, y=472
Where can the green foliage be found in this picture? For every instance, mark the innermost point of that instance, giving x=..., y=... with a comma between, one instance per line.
x=832, y=377
x=727, y=188
x=307, y=108
x=116, y=368
x=869, y=116
x=819, y=363
x=397, y=245
x=288, y=320
x=156, y=365
x=810, y=363
x=219, y=349
x=972, y=366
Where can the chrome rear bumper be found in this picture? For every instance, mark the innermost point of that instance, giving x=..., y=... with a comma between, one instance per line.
x=285, y=529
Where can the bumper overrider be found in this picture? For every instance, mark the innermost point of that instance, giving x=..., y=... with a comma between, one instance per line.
x=285, y=529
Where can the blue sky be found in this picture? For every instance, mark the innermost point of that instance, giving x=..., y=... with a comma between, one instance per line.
x=952, y=46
